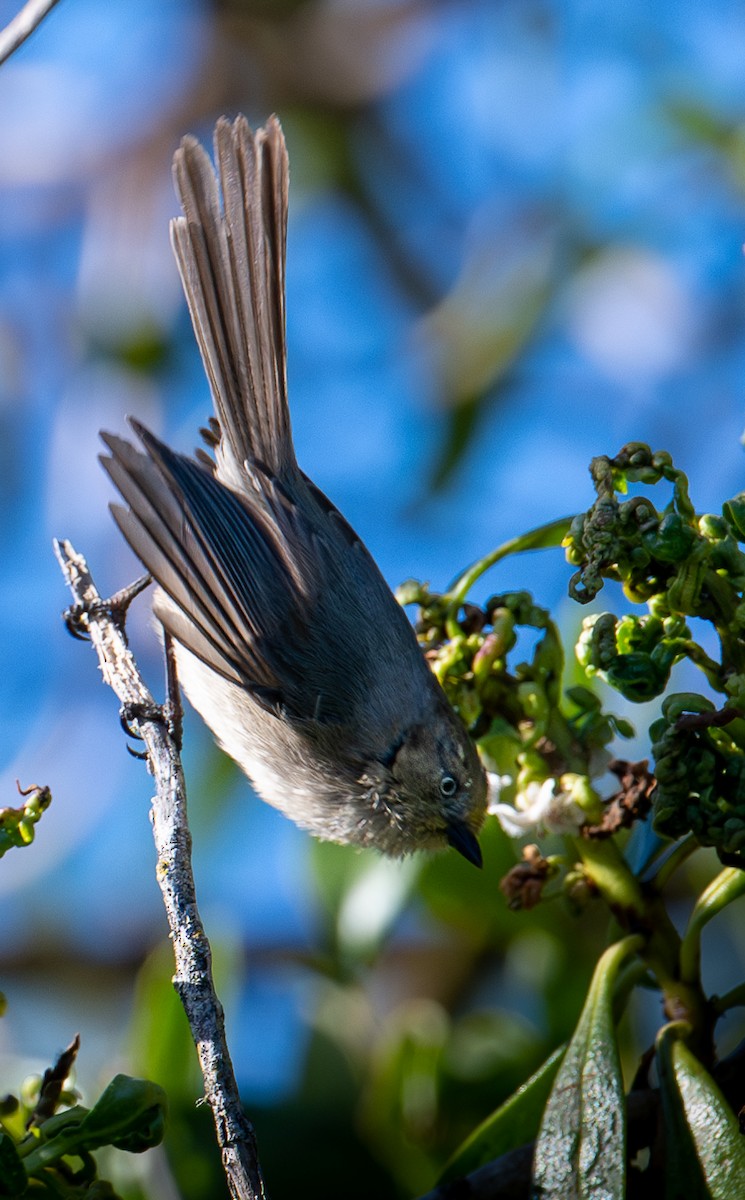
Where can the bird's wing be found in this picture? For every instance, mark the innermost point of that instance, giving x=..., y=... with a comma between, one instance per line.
x=273, y=590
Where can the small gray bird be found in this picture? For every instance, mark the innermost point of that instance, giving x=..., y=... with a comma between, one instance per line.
x=288, y=641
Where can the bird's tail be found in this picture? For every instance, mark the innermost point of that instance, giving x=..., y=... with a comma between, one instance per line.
x=231, y=258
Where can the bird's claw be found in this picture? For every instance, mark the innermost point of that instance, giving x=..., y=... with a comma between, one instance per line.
x=116, y=607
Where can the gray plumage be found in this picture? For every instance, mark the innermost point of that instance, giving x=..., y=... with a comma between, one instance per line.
x=288, y=640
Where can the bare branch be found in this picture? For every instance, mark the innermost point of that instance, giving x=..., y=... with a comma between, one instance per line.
x=23, y=25
x=193, y=979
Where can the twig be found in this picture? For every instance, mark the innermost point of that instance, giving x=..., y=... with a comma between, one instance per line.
x=23, y=25
x=193, y=978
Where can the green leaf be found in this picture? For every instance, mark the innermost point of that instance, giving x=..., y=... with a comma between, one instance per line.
x=581, y=1148
x=512, y=1124
x=13, y=1178
x=734, y=515
x=706, y=1151
x=684, y=1175
x=543, y=538
x=130, y=1114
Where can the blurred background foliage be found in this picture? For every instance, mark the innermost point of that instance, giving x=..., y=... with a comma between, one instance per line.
x=515, y=243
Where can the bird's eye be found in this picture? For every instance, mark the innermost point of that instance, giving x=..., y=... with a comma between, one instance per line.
x=448, y=786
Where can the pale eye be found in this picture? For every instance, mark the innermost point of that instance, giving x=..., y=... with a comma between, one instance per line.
x=448, y=786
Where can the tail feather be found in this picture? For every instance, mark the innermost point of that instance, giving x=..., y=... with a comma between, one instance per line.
x=232, y=265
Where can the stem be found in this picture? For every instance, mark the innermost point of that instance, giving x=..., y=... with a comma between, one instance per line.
x=643, y=912
x=23, y=25
x=726, y=887
x=628, y=977
x=734, y=998
x=606, y=867
x=727, y=626
x=676, y=856
x=542, y=538
x=710, y=667
x=574, y=756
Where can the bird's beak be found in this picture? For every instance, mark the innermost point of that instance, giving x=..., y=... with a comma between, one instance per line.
x=464, y=840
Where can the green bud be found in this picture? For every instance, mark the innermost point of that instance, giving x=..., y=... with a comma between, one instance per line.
x=498, y=748
x=636, y=677
x=533, y=701
x=638, y=633
x=622, y=727
x=485, y=658
x=26, y=830
x=450, y=657
x=596, y=647
x=633, y=458
x=585, y=700
x=582, y=793
x=734, y=686
x=639, y=558
x=675, y=626
x=684, y=592
x=532, y=769
x=411, y=591
x=38, y=802
x=467, y=704
x=578, y=890
x=733, y=835
x=672, y=541
x=670, y=770
x=678, y=703
x=712, y=527
x=495, y=646
x=30, y=1090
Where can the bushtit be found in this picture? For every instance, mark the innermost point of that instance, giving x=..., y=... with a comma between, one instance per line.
x=288, y=641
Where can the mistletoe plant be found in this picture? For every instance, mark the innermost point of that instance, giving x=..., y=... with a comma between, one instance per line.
x=46, y=1135
x=547, y=749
